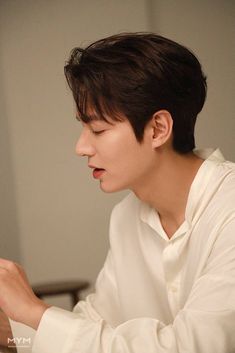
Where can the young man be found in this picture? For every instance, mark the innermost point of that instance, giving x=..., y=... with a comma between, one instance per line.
x=168, y=283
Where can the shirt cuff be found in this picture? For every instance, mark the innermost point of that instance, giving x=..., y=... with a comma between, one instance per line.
x=56, y=331
x=23, y=337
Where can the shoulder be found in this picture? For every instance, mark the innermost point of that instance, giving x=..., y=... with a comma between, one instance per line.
x=219, y=197
x=226, y=184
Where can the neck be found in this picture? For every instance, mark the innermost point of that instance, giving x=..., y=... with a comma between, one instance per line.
x=168, y=186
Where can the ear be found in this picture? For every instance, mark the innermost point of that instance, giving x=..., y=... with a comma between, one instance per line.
x=162, y=126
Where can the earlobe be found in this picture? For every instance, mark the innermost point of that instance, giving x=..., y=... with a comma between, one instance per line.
x=162, y=125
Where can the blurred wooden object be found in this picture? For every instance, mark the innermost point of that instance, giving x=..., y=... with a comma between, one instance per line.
x=72, y=288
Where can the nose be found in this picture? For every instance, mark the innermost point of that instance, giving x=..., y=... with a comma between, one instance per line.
x=84, y=146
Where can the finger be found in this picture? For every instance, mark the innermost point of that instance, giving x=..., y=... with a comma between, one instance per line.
x=9, y=265
x=24, y=278
x=4, y=272
x=13, y=267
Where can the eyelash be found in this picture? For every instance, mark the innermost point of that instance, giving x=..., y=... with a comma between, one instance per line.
x=97, y=132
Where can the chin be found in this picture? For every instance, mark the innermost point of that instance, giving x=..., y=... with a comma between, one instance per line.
x=111, y=188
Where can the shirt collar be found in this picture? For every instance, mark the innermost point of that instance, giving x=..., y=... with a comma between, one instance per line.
x=212, y=157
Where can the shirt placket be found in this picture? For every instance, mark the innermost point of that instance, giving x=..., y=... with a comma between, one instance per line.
x=172, y=264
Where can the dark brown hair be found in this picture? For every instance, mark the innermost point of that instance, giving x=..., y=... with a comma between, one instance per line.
x=134, y=75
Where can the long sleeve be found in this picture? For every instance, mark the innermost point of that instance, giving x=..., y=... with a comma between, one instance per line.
x=205, y=324
x=23, y=336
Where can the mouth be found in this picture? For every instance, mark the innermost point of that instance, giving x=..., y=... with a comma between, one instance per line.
x=97, y=172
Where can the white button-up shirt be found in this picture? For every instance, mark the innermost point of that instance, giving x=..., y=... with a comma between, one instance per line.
x=155, y=294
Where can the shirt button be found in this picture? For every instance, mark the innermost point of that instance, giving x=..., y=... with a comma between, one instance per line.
x=172, y=288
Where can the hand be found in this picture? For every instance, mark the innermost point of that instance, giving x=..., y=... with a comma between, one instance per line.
x=5, y=330
x=17, y=299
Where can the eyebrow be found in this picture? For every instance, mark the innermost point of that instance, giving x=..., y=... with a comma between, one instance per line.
x=87, y=118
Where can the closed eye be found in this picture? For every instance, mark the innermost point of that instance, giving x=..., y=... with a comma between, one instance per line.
x=99, y=132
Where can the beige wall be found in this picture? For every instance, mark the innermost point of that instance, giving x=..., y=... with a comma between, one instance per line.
x=53, y=210
x=9, y=232
x=62, y=216
x=207, y=27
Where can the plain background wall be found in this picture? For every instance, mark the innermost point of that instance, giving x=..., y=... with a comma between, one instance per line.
x=9, y=233
x=54, y=218
x=207, y=27
x=62, y=216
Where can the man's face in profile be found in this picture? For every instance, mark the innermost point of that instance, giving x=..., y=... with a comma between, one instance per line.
x=118, y=160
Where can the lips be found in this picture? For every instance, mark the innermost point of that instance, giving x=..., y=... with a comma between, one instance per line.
x=93, y=166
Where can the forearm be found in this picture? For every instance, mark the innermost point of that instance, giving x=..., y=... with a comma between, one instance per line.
x=34, y=314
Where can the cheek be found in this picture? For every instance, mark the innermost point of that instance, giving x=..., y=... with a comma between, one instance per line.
x=120, y=149
x=131, y=158
x=117, y=146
